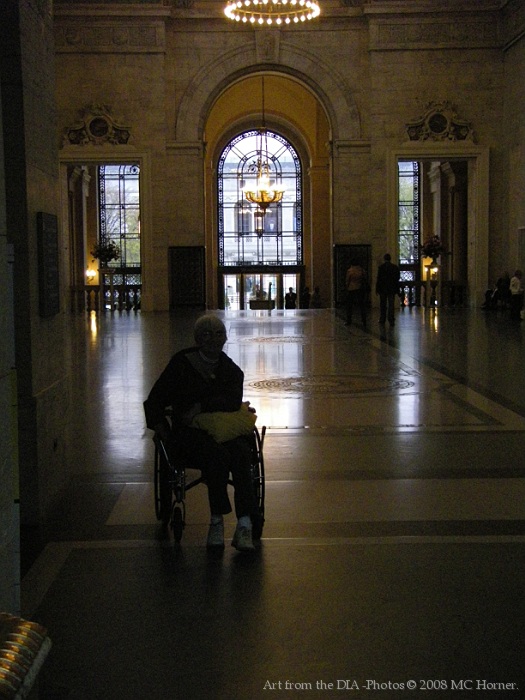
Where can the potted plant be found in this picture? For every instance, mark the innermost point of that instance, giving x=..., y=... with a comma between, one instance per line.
x=432, y=248
x=105, y=252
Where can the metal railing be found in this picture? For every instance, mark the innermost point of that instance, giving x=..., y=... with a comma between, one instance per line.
x=118, y=297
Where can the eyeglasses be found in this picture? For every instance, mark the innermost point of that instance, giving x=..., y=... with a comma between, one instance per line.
x=213, y=334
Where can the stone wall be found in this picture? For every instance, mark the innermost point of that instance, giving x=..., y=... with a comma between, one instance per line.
x=9, y=497
x=31, y=167
x=513, y=136
x=373, y=67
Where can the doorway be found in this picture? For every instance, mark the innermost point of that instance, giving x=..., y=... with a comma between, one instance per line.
x=239, y=291
x=236, y=241
x=474, y=257
x=127, y=217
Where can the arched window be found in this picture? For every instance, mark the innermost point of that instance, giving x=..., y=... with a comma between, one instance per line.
x=243, y=240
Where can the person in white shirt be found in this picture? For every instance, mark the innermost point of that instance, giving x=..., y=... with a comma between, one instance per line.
x=516, y=296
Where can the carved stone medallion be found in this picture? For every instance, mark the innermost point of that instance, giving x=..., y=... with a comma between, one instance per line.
x=439, y=123
x=96, y=126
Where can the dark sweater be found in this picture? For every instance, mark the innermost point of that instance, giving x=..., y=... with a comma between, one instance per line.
x=387, y=278
x=181, y=386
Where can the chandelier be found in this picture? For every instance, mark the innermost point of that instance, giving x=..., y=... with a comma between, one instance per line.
x=278, y=12
x=265, y=192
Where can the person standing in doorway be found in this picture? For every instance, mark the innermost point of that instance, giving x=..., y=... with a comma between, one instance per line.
x=356, y=290
x=290, y=299
x=387, y=286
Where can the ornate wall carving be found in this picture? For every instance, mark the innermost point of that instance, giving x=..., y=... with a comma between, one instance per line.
x=439, y=123
x=422, y=33
x=267, y=46
x=110, y=37
x=96, y=126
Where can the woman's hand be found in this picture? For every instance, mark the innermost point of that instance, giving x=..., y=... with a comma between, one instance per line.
x=191, y=413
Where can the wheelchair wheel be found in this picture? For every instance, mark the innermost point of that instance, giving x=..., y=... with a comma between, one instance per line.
x=163, y=494
x=177, y=523
x=258, y=481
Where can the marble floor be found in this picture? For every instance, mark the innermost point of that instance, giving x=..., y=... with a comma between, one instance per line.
x=392, y=560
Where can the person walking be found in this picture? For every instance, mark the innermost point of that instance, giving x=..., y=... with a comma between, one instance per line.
x=387, y=286
x=356, y=289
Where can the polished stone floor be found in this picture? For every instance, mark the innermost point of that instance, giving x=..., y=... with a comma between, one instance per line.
x=392, y=561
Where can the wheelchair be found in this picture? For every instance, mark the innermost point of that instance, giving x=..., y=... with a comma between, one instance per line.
x=172, y=483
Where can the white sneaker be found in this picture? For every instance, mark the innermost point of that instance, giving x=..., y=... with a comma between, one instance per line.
x=215, y=536
x=242, y=539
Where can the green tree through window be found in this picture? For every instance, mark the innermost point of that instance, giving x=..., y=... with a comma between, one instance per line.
x=408, y=225
x=119, y=210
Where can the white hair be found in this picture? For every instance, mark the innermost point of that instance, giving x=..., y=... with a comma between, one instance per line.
x=205, y=324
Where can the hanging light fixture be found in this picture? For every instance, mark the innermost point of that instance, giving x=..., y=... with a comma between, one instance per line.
x=265, y=12
x=264, y=193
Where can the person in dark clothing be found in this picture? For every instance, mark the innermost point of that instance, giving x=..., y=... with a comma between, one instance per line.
x=290, y=299
x=503, y=286
x=387, y=286
x=305, y=298
x=499, y=294
x=199, y=380
x=315, y=301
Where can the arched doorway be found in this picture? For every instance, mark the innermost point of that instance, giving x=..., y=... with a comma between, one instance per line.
x=298, y=121
x=260, y=251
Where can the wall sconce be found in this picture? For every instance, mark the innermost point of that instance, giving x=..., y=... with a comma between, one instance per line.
x=91, y=274
x=430, y=268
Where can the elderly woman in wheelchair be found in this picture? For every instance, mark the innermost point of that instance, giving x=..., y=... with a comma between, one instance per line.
x=210, y=428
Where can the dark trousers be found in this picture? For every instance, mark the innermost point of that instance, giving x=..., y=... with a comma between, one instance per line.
x=516, y=304
x=386, y=308
x=356, y=298
x=217, y=461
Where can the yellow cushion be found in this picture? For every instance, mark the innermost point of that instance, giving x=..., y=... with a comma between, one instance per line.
x=224, y=426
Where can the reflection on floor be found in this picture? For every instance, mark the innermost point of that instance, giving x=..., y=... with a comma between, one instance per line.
x=393, y=550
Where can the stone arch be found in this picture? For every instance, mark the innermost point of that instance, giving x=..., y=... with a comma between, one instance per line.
x=282, y=127
x=330, y=88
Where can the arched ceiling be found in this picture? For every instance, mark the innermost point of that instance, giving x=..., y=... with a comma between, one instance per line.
x=287, y=103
